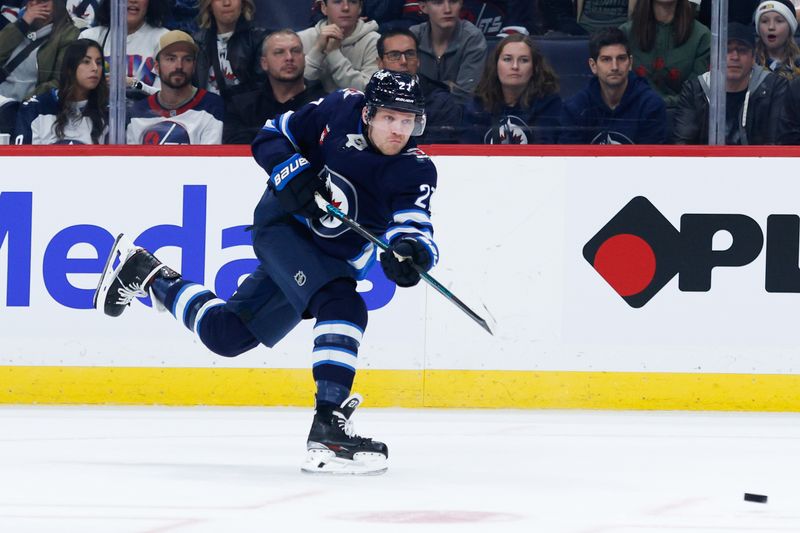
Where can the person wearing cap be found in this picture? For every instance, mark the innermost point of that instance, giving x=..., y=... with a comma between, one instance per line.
x=754, y=98
x=179, y=113
x=776, y=49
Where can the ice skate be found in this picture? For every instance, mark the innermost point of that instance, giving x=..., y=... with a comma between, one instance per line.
x=131, y=278
x=334, y=448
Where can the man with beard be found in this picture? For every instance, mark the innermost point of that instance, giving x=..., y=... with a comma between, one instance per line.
x=283, y=60
x=179, y=113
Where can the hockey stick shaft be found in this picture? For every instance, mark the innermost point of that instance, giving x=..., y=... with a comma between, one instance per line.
x=430, y=280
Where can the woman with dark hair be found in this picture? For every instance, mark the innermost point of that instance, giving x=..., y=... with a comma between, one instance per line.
x=32, y=48
x=145, y=20
x=76, y=112
x=230, y=46
x=516, y=100
x=668, y=45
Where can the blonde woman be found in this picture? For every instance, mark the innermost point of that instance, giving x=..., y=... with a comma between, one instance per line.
x=230, y=46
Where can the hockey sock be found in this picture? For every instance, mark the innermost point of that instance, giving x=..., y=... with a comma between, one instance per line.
x=341, y=320
x=202, y=312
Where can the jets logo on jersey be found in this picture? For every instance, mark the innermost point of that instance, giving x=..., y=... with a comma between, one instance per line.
x=344, y=198
x=167, y=132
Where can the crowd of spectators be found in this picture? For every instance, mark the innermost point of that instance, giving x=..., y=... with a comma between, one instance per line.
x=214, y=71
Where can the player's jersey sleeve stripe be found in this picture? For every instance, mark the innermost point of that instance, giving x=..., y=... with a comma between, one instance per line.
x=433, y=250
x=283, y=126
x=270, y=126
x=405, y=230
x=363, y=261
x=416, y=216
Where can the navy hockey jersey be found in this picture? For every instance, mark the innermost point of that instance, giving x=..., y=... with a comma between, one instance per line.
x=197, y=122
x=388, y=195
x=36, y=122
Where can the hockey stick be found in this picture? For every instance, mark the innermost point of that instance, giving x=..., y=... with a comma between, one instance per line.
x=355, y=226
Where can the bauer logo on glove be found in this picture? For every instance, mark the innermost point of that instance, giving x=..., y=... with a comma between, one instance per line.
x=288, y=169
x=294, y=183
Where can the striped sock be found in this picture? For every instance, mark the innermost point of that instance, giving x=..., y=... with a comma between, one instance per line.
x=335, y=354
x=187, y=301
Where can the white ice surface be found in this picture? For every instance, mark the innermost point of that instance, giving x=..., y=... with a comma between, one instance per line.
x=156, y=469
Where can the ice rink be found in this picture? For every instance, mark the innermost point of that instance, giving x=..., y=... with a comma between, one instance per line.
x=157, y=469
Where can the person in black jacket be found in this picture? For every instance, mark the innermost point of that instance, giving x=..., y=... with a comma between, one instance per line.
x=230, y=46
x=754, y=99
x=284, y=90
x=789, y=126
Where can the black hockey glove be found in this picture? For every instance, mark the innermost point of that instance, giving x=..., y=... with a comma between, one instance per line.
x=294, y=183
x=403, y=272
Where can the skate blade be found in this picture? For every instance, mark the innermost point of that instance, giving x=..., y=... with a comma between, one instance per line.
x=325, y=462
x=123, y=246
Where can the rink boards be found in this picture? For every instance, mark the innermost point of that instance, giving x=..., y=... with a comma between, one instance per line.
x=628, y=278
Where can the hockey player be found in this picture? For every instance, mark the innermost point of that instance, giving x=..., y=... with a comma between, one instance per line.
x=355, y=150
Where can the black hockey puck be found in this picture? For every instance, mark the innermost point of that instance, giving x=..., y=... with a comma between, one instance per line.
x=757, y=498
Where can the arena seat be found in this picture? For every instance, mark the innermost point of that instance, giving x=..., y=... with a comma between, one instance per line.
x=568, y=55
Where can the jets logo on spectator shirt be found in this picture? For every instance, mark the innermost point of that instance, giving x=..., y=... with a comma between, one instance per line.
x=167, y=132
x=511, y=130
x=343, y=198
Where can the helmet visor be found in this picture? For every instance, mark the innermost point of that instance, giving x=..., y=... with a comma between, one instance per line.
x=400, y=120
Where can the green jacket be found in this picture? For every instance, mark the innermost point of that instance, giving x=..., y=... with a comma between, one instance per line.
x=667, y=67
x=48, y=56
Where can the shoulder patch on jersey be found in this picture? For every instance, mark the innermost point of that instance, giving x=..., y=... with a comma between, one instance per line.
x=357, y=141
x=350, y=92
x=324, y=134
x=416, y=152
